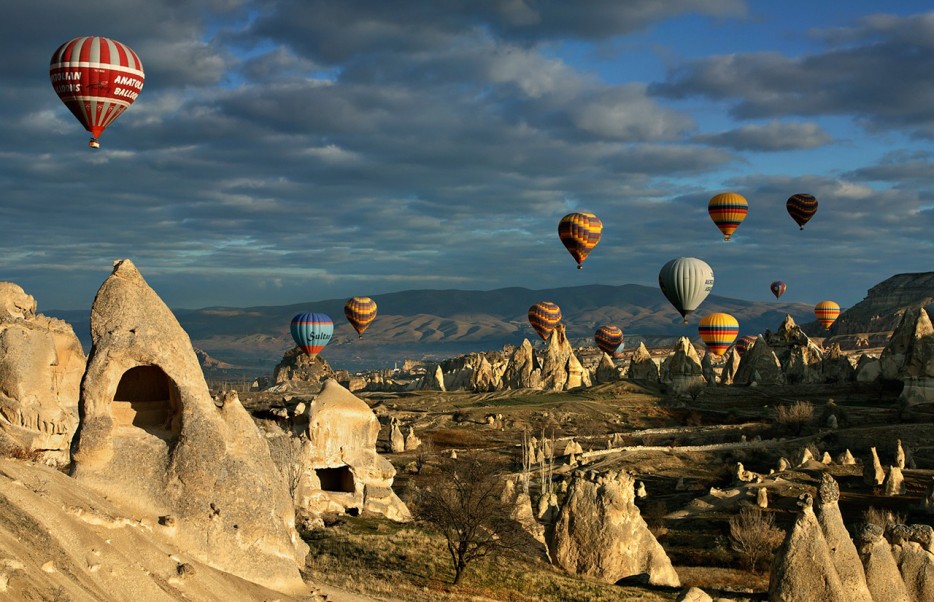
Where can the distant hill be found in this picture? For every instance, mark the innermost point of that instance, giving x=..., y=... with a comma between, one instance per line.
x=424, y=324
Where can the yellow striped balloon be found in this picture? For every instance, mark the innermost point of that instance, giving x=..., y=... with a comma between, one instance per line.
x=826, y=312
x=728, y=210
x=360, y=311
x=580, y=233
x=544, y=316
x=718, y=331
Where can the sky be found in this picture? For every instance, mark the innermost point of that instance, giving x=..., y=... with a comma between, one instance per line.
x=286, y=151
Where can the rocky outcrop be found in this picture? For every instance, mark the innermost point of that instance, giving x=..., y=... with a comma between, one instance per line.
x=759, y=365
x=298, y=366
x=909, y=357
x=803, y=569
x=836, y=367
x=868, y=369
x=799, y=358
x=882, y=575
x=606, y=371
x=523, y=370
x=878, y=314
x=561, y=370
x=642, y=368
x=894, y=482
x=732, y=359
x=152, y=438
x=682, y=369
x=41, y=364
x=842, y=550
x=600, y=533
x=710, y=376
x=873, y=473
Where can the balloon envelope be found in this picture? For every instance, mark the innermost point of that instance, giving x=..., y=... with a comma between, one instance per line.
x=360, y=311
x=580, y=233
x=744, y=344
x=728, y=210
x=826, y=312
x=544, y=316
x=97, y=79
x=609, y=339
x=778, y=288
x=801, y=207
x=718, y=330
x=686, y=282
x=312, y=332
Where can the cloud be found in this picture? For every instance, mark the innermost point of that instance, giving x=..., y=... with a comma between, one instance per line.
x=770, y=137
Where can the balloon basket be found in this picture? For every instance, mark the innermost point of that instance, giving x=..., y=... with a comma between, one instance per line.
x=93, y=143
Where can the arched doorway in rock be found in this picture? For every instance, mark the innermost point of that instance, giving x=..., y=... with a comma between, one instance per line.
x=338, y=479
x=149, y=399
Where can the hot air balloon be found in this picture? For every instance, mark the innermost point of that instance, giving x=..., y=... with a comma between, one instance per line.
x=686, y=282
x=826, y=312
x=97, y=79
x=745, y=343
x=544, y=316
x=718, y=331
x=580, y=233
x=609, y=339
x=778, y=288
x=312, y=332
x=360, y=311
x=728, y=210
x=801, y=208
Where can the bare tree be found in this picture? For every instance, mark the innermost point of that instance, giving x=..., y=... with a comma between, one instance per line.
x=464, y=503
x=754, y=536
x=286, y=452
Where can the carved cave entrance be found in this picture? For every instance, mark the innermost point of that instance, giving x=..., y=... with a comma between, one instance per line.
x=148, y=399
x=336, y=479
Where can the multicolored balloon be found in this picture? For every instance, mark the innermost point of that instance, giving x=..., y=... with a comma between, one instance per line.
x=826, y=312
x=686, y=282
x=718, y=331
x=312, y=332
x=778, y=288
x=801, y=208
x=360, y=311
x=97, y=79
x=609, y=339
x=544, y=316
x=745, y=343
x=580, y=233
x=728, y=210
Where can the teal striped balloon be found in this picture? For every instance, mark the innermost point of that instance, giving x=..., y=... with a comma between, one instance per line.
x=312, y=332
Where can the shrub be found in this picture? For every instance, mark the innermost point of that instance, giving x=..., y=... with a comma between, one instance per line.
x=795, y=416
x=755, y=537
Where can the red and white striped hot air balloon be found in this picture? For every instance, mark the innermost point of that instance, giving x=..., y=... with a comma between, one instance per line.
x=97, y=79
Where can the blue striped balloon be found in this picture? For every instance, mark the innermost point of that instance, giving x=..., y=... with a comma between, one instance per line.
x=312, y=332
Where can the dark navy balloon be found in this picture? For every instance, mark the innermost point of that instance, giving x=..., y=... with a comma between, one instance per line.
x=312, y=332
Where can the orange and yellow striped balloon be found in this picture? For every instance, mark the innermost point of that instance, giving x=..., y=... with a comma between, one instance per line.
x=728, y=210
x=718, y=331
x=826, y=312
x=360, y=311
x=608, y=339
x=580, y=233
x=544, y=316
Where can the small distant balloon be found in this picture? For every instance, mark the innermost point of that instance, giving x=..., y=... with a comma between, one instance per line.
x=686, y=282
x=544, y=316
x=97, y=79
x=826, y=312
x=609, y=339
x=311, y=332
x=728, y=210
x=778, y=288
x=580, y=233
x=801, y=208
x=360, y=311
x=718, y=330
x=744, y=344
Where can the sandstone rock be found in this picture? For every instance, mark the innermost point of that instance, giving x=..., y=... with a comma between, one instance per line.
x=433, y=381
x=682, y=369
x=762, y=497
x=741, y=475
x=873, y=474
x=396, y=439
x=803, y=569
x=804, y=458
x=523, y=370
x=759, y=365
x=641, y=493
x=916, y=565
x=730, y=366
x=606, y=371
x=895, y=482
x=868, y=369
x=836, y=367
x=693, y=594
x=846, y=458
x=826, y=459
x=783, y=465
x=914, y=326
x=842, y=550
x=342, y=468
x=412, y=442
x=601, y=534
x=298, y=366
x=642, y=368
x=151, y=437
x=882, y=575
x=561, y=370
x=707, y=369
x=41, y=364
x=799, y=358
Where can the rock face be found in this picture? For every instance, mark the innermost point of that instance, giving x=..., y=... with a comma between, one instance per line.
x=682, y=369
x=759, y=365
x=882, y=575
x=296, y=365
x=915, y=560
x=642, y=368
x=151, y=437
x=341, y=467
x=842, y=550
x=836, y=367
x=873, y=473
x=524, y=370
x=606, y=371
x=600, y=533
x=41, y=364
x=561, y=370
x=803, y=569
x=909, y=357
x=879, y=312
x=730, y=366
x=799, y=358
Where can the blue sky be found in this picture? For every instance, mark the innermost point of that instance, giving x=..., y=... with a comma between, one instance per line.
x=288, y=151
